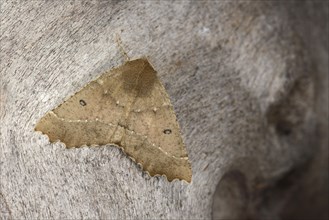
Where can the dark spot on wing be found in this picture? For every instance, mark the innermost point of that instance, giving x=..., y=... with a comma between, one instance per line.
x=82, y=102
x=167, y=131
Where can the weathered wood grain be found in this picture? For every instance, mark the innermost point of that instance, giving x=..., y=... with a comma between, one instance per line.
x=248, y=81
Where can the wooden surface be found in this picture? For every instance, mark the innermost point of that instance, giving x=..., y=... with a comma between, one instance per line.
x=248, y=81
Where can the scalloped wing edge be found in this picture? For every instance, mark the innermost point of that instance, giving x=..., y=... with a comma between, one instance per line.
x=122, y=149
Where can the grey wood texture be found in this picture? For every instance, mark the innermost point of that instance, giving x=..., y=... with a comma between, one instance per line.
x=248, y=81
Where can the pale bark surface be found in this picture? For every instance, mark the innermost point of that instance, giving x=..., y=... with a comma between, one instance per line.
x=248, y=82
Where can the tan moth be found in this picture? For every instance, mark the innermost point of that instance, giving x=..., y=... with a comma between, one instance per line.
x=127, y=107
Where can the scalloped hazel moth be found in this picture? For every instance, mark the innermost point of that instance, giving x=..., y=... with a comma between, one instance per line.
x=127, y=107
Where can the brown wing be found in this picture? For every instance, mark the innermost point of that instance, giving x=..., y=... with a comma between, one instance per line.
x=128, y=107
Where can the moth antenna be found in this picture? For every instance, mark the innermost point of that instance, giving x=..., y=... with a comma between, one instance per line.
x=120, y=45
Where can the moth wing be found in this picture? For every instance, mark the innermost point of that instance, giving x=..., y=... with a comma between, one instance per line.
x=91, y=116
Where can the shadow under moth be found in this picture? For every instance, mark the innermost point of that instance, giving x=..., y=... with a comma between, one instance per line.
x=127, y=107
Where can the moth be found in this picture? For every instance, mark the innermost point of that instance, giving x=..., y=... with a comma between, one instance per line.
x=127, y=107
